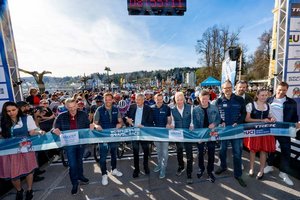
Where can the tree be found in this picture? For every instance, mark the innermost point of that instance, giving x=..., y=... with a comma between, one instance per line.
x=107, y=69
x=259, y=61
x=85, y=79
x=38, y=77
x=214, y=43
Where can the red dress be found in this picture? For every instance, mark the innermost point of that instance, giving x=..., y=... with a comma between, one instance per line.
x=260, y=143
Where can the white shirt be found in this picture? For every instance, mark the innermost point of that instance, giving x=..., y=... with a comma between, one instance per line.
x=277, y=109
x=249, y=107
x=180, y=110
x=30, y=123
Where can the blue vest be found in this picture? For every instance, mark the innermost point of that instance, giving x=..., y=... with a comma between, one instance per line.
x=160, y=115
x=185, y=120
x=21, y=132
x=105, y=122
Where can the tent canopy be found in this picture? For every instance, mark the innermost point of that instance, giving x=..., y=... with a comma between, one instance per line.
x=211, y=81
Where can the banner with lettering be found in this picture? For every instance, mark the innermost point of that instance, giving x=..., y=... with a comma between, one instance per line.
x=86, y=136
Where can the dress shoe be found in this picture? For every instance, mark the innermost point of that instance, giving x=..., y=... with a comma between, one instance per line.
x=189, y=179
x=200, y=173
x=259, y=176
x=179, y=171
x=147, y=170
x=220, y=170
x=74, y=190
x=29, y=195
x=251, y=173
x=241, y=181
x=84, y=181
x=135, y=173
x=19, y=195
x=211, y=177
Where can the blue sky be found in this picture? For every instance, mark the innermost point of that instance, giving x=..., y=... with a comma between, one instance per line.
x=72, y=37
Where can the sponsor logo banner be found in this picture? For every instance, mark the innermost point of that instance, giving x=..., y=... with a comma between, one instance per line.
x=86, y=136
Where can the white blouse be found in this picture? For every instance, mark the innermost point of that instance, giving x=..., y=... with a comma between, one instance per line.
x=30, y=123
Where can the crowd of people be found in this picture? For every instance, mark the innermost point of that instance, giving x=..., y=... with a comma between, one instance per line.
x=171, y=109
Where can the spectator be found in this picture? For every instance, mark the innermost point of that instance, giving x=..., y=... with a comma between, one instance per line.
x=33, y=99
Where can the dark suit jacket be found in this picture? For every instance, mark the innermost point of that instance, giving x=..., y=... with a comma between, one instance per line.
x=147, y=118
x=62, y=121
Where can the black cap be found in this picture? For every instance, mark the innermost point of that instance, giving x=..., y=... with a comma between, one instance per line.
x=22, y=103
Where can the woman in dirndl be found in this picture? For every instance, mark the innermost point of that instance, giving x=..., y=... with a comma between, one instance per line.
x=259, y=111
x=22, y=164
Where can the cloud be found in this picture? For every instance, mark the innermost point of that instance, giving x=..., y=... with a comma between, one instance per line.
x=49, y=39
x=265, y=20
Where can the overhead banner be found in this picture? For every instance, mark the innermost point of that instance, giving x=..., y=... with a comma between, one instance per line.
x=292, y=55
x=86, y=136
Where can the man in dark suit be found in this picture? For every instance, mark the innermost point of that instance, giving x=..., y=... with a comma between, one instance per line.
x=140, y=115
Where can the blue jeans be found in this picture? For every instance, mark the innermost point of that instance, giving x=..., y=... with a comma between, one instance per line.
x=162, y=154
x=211, y=146
x=237, y=155
x=75, y=154
x=285, y=147
x=103, y=150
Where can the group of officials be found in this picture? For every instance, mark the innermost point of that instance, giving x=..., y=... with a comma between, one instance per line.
x=228, y=110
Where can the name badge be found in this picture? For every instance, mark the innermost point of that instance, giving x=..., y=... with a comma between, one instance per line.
x=225, y=105
x=70, y=138
x=176, y=135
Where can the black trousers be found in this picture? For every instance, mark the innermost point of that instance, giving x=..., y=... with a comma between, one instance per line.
x=210, y=154
x=285, y=146
x=136, y=149
x=189, y=156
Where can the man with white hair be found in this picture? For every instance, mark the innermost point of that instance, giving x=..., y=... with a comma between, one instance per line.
x=182, y=118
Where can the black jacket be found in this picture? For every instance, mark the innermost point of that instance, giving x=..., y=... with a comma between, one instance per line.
x=147, y=118
x=289, y=109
